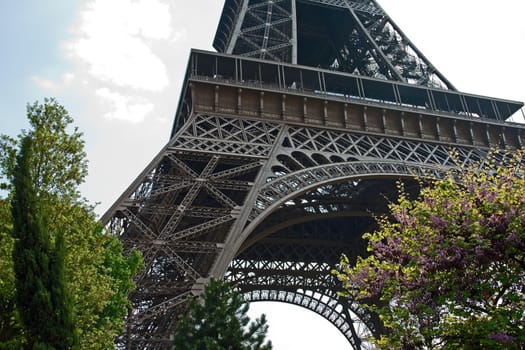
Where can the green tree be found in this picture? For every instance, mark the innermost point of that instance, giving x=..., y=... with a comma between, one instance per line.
x=11, y=333
x=447, y=270
x=97, y=275
x=41, y=297
x=219, y=322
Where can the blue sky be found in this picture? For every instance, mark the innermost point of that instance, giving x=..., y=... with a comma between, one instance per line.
x=29, y=44
x=117, y=67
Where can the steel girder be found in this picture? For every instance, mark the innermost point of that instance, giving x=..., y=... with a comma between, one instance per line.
x=225, y=186
x=351, y=36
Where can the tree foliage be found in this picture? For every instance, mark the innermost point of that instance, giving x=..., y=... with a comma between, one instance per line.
x=59, y=162
x=219, y=321
x=447, y=270
x=41, y=297
x=97, y=275
x=11, y=332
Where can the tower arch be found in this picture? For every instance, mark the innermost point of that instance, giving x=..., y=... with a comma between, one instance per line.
x=289, y=254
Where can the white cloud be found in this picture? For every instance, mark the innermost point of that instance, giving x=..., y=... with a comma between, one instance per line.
x=115, y=39
x=123, y=107
x=182, y=33
x=53, y=86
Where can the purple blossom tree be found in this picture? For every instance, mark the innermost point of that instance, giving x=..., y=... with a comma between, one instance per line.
x=447, y=270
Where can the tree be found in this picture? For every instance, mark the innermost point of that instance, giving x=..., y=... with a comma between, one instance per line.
x=11, y=332
x=219, y=322
x=41, y=297
x=447, y=270
x=97, y=275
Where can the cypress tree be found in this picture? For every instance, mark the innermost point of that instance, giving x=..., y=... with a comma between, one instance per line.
x=96, y=273
x=220, y=322
x=41, y=296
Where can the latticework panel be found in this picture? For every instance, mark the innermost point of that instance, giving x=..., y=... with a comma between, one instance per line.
x=178, y=214
x=362, y=146
x=216, y=134
x=389, y=54
x=266, y=30
x=178, y=217
x=246, y=193
x=329, y=307
x=310, y=157
x=294, y=265
x=352, y=36
x=359, y=6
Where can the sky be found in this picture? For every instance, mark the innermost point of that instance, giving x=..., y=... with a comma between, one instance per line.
x=117, y=66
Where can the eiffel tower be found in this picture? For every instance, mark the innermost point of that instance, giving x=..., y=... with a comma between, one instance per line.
x=285, y=144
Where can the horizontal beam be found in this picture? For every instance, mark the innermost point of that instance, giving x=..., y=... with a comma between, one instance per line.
x=264, y=74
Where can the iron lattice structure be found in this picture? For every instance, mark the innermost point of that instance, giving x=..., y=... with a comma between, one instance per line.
x=284, y=146
x=350, y=36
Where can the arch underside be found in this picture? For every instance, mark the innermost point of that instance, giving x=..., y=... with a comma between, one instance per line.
x=290, y=255
x=271, y=205
x=329, y=307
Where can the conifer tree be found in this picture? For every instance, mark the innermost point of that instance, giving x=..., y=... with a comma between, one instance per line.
x=219, y=322
x=97, y=275
x=41, y=296
x=11, y=336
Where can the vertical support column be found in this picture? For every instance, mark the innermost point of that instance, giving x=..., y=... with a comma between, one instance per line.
x=325, y=112
x=383, y=120
x=365, y=118
x=216, y=99
x=238, y=25
x=295, y=43
x=239, y=100
x=266, y=36
x=487, y=134
x=283, y=106
x=454, y=130
x=438, y=129
x=503, y=137
x=420, y=125
x=305, y=109
x=261, y=103
x=345, y=112
x=402, y=121
x=471, y=133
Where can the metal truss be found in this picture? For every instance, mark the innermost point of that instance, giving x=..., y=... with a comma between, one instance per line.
x=216, y=134
x=352, y=199
x=265, y=29
x=290, y=255
x=390, y=55
x=311, y=157
x=235, y=195
x=330, y=308
x=294, y=265
x=178, y=213
x=361, y=146
x=277, y=191
x=352, y=36
x=359, y=6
